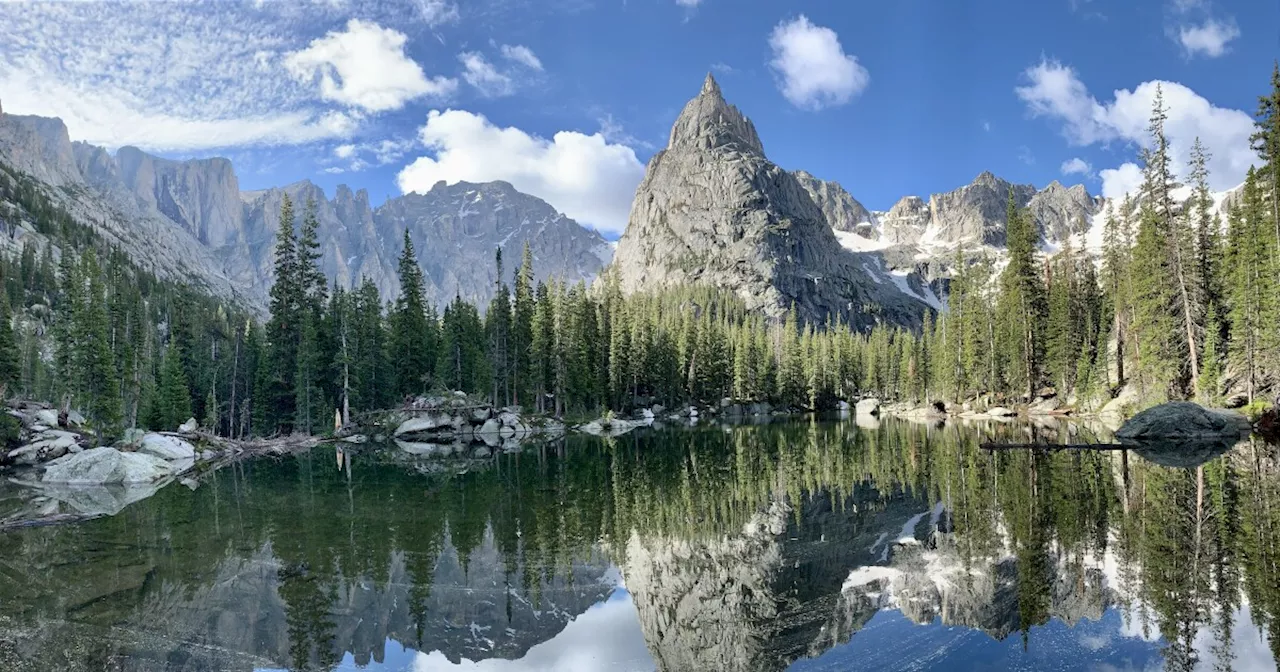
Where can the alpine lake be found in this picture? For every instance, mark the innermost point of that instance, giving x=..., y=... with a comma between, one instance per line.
x=798, y=544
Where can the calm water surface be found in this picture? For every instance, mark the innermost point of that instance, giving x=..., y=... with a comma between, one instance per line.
x=795, y=546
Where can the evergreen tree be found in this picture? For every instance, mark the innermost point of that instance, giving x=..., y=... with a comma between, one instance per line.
x=522, y=328
x=277, y=394
x=102, y=393
x=1266, y=142
x=10, y=370
x=173, y=403
x=412, y=338
x=310, y=375
x=1022, y=308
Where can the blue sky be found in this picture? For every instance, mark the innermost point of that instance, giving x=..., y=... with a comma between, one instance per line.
x=568, y=98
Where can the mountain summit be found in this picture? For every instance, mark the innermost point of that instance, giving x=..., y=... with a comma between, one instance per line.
x=713, y=210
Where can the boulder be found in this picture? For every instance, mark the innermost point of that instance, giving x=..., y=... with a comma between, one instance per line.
x=1001, y=412
x=479, y=415
x=1181, y=421
x=1123, y=402
x=47, y=417
x=491, y=427
x=1044, y=406
x=166, y=447
x=417, y=425
x=189, y=426
x=867, y=407
x=509, y=418
x=47, y=445
x=842, y=406
x=75, y=419
x=107, y=465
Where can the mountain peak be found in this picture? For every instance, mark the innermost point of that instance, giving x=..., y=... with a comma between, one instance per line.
x=710, y=87
x=708, y=122
x=987, y=178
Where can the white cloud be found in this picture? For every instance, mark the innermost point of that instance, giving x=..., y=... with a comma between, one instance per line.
x=584, y=176
x=1076, y=166
x=1026, y=156
x=688, y=3
x=812, y=68
x=366, y=66
x=481, y=74
x=606, y=636
x=1055, y=91
x=162, y=76
x=437, y=12
x=522, y=55
x=344, y=151
x=1125, y=179
x=1208, y=39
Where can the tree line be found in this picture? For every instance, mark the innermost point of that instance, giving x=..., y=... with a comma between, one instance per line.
x=1178, y=307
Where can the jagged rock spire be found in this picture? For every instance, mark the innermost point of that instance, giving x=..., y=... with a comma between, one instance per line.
x=708, y=122
x=710, y=87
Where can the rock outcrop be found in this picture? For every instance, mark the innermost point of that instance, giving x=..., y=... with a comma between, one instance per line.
x=842, y=211
x=1183, y=421
x=188, y=220
x=105, y=466
x=713, y=210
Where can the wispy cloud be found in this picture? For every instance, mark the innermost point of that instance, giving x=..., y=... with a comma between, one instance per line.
x=195, y=76
x=1198, y=29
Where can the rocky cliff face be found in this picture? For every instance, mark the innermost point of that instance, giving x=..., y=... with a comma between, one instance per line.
x=456, y=228
x=712, y=209
x=188, y=220
x=842, y=211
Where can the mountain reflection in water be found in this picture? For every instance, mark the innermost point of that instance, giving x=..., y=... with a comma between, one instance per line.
x=803, y=545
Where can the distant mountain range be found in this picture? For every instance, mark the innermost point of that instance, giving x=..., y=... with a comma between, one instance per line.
x=190, y=220
x=711, y=209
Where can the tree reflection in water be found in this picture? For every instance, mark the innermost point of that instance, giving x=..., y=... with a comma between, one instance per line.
x=745, y=548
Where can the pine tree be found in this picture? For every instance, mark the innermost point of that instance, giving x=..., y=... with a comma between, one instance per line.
x=497, y=326
x=309, y=376
x=1266, y=142
x=173, y=403
x=522, y=328
x=277, y=395
x=1022, y=307
x=100, y=384
x=412, y=338
x=10, y=369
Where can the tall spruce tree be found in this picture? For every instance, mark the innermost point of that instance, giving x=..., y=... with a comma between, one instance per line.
x=412, y=337
x=1023, y=305
x=278, y=394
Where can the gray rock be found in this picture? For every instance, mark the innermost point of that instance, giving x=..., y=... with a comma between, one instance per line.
x=1181, y=420
x=1044, y=406
x=107, y=465
x=189, y=426
x=422, y=423
x=45, y=446
x=509, y=419
x=867, y=407
x=166, y=447
x=47, y=417
x=479, y=415
x=491, y=427
x=1001, y=412
x=841, y=211
x=713, y=210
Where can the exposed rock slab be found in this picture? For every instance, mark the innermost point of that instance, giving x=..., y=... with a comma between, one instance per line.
x=106, y=465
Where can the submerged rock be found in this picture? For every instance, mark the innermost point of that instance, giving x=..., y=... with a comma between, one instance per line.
x=107, y=465
x=1183, y=420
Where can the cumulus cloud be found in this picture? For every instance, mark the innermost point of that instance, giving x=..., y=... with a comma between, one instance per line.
x=344, y=151
x=584, y=176
x=365, y=66
x=1076, y=166
x=1054, y=91
x=1209, y=38
x=522, y=55
x=812, y=67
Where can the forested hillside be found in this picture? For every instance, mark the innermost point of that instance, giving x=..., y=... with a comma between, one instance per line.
x=1181, y=305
